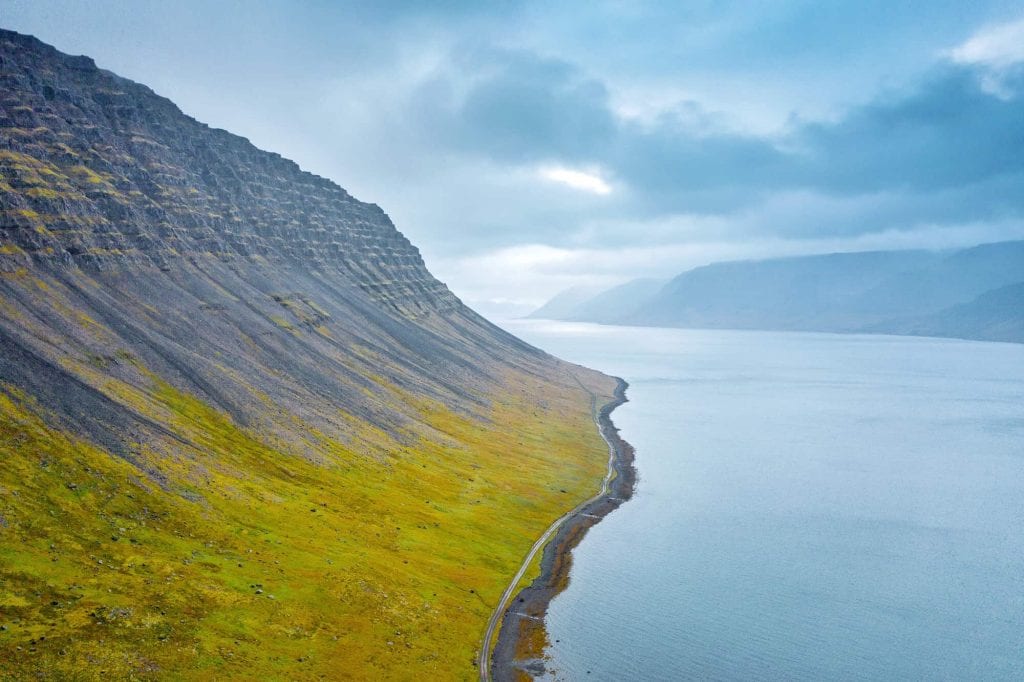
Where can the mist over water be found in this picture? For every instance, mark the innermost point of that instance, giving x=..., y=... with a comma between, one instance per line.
x=810, y=506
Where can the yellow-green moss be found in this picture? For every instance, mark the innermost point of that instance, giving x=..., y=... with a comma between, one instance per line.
x=232, y=558
x=42, y=193
x=86, y=174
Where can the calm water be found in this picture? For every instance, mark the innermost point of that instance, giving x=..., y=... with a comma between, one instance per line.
x=810, y=507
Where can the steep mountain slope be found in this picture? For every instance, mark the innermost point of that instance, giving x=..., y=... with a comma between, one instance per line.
x=245, y=433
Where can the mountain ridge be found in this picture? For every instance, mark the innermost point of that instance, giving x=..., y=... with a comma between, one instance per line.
x=150, y=186
x=246, y=433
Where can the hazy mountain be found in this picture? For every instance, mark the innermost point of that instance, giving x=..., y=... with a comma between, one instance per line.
x=884, y=291
x=612, y=304
x=810, y=292
x=959, y=277
x=996, y=315
x=564, y=303
x=245, y=433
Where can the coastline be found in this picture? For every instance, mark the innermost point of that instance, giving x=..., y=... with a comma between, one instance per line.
x=518, y=653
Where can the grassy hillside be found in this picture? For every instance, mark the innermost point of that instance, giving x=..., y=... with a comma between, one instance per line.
x=285, y=549
x=238, y=560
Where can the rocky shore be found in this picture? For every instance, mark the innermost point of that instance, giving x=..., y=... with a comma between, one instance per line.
x=519, y=651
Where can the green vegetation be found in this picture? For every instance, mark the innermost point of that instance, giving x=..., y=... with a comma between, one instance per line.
x=42, y=193
x=86, y=174
x=238, y=560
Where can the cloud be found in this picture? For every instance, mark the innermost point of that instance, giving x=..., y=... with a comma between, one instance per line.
x=946, y=133
x=518, y=107
x=930, y=164
x=577, y=179
x=998, y=46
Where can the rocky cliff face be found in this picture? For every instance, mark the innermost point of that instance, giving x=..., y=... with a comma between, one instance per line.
x=180, y=243
x=102, y=173
x=245, y=433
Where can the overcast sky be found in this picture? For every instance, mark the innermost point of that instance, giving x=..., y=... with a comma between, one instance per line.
x=529, y=146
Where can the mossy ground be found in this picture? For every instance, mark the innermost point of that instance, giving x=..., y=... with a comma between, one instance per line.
x=237, y=560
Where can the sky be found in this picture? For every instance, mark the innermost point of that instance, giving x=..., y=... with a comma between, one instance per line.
x=528, y=147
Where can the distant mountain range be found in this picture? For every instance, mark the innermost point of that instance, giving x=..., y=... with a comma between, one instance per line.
x=588, y=305
x=975, y=293
x=565, y=303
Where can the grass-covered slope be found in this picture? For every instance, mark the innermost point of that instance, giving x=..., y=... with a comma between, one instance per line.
x=244, y=433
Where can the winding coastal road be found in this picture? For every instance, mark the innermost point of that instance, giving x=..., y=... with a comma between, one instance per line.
x=484, y=661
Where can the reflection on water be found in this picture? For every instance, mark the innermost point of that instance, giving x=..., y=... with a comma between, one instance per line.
x=810, y=506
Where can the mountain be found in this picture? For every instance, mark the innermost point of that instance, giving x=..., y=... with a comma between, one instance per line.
x=246, y=434
x=808, y=292
x=564, y=303
x=968, y=293
x=957, y=278
x=996, y=315
x=606, y=306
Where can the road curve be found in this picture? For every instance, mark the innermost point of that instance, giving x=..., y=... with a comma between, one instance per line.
x=484, y=660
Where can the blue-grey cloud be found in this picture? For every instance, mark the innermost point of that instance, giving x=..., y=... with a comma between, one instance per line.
x=525, y=108
x=947, y=132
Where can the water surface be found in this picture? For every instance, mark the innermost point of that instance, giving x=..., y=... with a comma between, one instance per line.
x=810, y=506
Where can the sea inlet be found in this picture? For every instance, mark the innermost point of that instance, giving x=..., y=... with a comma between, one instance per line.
x=809, y=507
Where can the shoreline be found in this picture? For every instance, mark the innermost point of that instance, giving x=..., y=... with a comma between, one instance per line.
x=522, y=623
